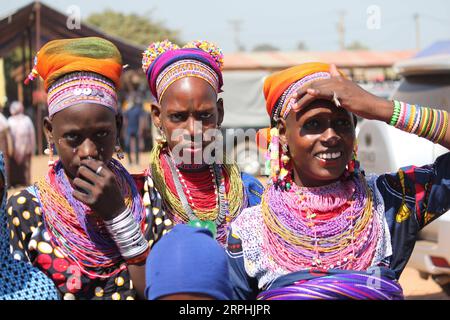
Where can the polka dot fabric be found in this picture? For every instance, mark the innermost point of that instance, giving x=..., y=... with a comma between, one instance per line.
x=31, y=242
x=19, y=280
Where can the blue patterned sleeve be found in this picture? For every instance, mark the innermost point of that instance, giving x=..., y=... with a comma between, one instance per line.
x=418, y=193
x=253, y=188
x=413, y=197
x=244, y=287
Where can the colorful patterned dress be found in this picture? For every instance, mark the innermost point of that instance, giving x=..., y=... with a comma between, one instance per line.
x=30, y=242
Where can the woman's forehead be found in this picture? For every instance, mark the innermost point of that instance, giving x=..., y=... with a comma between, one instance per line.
x=322, y=107
x=189, y=88
x=84, y=114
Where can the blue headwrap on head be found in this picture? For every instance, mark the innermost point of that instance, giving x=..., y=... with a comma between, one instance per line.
x=18, y=279
x=187, y=260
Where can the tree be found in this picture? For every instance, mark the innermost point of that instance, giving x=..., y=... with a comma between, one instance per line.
x=139, y=29
x=356, y=45
x=13, y=60
x=265, y=47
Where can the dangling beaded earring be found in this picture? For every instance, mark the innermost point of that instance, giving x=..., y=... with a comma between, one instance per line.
x=280, y=172
x=354, y=166
x=49, y=152
x=161, y=139
x=119, y=151
x=274, y=154
x=285, y=172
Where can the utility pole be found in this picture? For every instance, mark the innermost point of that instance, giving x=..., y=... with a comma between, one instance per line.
x=236, y=25
x=341, y=29
x=417, y=21
x=39, y=87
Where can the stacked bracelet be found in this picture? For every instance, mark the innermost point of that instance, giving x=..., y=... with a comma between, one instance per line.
x=396, y=114
x=425, y=122
x=127, y=235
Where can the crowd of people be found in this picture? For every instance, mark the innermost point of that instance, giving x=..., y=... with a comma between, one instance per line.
x=192, y=226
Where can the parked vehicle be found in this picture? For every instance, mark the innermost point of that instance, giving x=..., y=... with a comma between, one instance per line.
x=382, y=148
x=245, y=114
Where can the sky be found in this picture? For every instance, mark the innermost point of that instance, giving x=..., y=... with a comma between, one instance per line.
x=377, y=24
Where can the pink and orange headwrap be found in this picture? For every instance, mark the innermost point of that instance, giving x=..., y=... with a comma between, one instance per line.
x=96, y=65
x=165, y=62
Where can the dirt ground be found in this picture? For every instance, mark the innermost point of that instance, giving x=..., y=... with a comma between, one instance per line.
x=414, y=287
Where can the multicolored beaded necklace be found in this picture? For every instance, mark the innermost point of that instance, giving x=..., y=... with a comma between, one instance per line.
x=198, y=194
x=326, y=227
x=76, y=229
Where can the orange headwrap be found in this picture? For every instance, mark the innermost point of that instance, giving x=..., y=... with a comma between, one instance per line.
x=276, y=84
x=278, y=91
x=90, y=54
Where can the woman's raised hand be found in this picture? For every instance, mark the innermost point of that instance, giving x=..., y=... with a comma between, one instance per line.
x=349, y=95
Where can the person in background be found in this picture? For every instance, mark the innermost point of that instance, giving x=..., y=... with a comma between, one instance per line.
x=6, y=144
x=24, y=144
x=134, y=125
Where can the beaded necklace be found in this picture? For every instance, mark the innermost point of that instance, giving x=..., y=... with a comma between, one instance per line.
x=222, y=203
x=218, y=208
x=196, y=184
x=76, y=229
x=327, y=227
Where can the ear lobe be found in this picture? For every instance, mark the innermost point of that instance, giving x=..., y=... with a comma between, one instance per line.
x=281, y=125
x=48, y=129
x=220, y=110
x=156, y=115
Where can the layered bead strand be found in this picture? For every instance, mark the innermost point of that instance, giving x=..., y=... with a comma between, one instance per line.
x=328, y=227
x=81, y=235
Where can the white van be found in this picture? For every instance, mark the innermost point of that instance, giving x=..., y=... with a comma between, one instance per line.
x=382, y=148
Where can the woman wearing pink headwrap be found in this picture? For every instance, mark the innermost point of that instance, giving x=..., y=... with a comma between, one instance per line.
x=187, y=183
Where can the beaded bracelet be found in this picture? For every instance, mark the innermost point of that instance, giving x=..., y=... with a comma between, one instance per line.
x=417, y=120
x=401, y=119
x=444, y=132
x=411, y=119
x=396, y=113
x=422, y=127
x=425, y=122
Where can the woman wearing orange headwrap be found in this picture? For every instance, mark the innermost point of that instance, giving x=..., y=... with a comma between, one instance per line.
x=325, y=230
x=83, y=224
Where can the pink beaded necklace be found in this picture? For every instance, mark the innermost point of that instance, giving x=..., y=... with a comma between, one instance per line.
x=302, y=231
